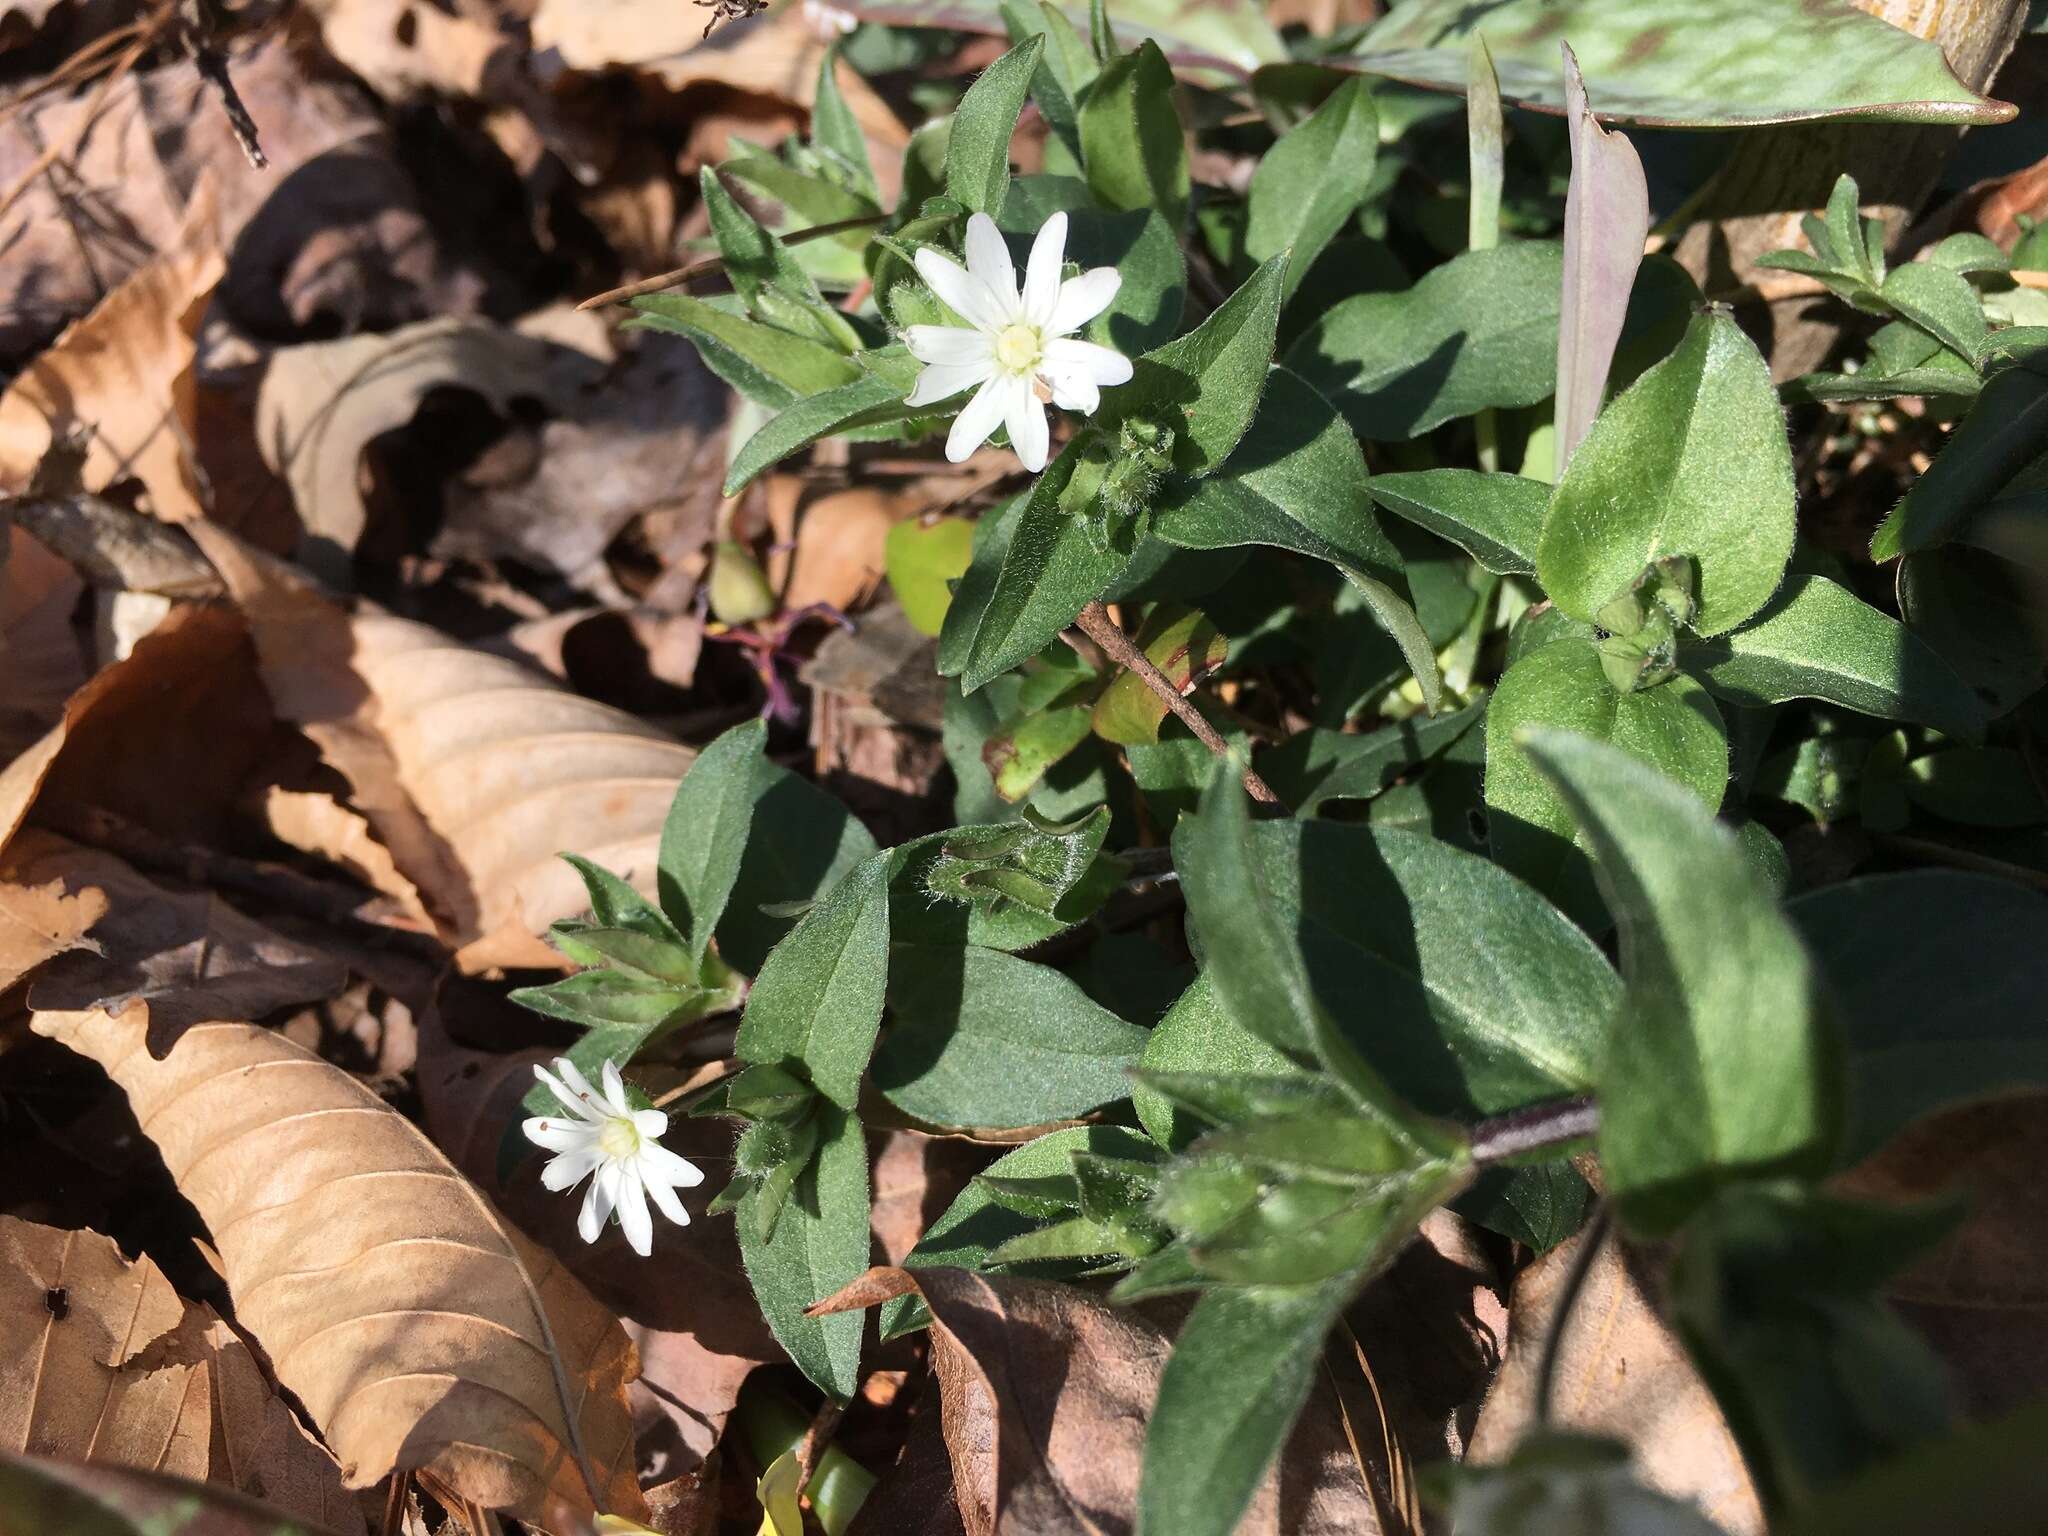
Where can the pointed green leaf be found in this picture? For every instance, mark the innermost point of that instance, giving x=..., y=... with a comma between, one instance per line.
x=1721, y=1065
x=705, y=834
x=1940, y=301
x=1132, y=141
x=2005, y=431
x=978, y=152
x=1690, y=460
x=870, y=400
x=1197, y=1035
x=1308, y=185
x=1496, y=519
x=835, y=128
x=776, y=368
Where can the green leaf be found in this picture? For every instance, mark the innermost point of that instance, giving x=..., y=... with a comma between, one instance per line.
x=820, y=1245
x=801, y=843
x=1684, y=63
x=1185, y=647
x=1978, y=786
x=814, y=198
x=1774, y=1295
x=1816, y=640
x=978, y=153
x=1557, y=1481
x=1988, y=1479
x=1941, y=302
x=1308, y=184
x=922, y=560
x=1197, y=1035
x=1479, y=331
x=1496, y=519
x=754, y=259
x=1314, y=767
x=981, y=1038
x=1196, y=32
x=1050, y=86
x=836, y=129
x=705, y=836
x=1239, y=1373
x=776, y=368
x=976, y=1223
x=1132, y=142
x=1673, y=728
x=2005, y=431
x=615, y=904
x=1206, y=385
x=818, y=999
x=1136, y=241
x=1720, y=1063
x=1049, y=570
x=870, y=400
x=1938, y=978
x=1465, y=989
x=1690, y=460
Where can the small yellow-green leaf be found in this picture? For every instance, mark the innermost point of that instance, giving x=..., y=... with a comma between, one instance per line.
x=1180, y=642
x=922, y=560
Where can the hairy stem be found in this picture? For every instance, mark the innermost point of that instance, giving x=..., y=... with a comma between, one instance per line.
x=1097, y=625
x=1532, y=1129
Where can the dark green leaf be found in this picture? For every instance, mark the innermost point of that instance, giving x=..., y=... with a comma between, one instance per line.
x=818, y=999
x=1941, y=302
x=820, y=1245
x=1720, y=1063
x=834, y=127
x=704, y=838
x=1237, y=1377
x=1314, y=767
x=982, y=1038
x=1132, y=142
x=1477, y=332
x=776, y=368
x=801, y=842
x=1496, y=519
x=1198, y=1036
x=1989, y=1479
x=1690, y=460
x=1308, y=184
x=870, y=400
x=2005, y=431
x=978, y=152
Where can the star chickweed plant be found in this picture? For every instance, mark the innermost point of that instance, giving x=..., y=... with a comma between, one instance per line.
x=1018, y=350
x=604, y=1138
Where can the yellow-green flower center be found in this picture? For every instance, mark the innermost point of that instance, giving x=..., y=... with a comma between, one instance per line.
x=619, y=1139
x=1018, y=347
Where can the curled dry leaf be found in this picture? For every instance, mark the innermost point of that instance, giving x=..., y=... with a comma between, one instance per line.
x=418, y=1328
x=124, y=373
x=1621, y=1373
x=1981, y=1297
x=1045, y=1391
x=322, y=403
x=473, y=770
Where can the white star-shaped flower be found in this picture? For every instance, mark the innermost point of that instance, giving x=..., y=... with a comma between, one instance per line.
x=606, y=1136
x=1017, y=350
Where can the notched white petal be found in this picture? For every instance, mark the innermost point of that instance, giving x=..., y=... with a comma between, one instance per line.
x=977, y=420
x=942, y=381
x=1042, y=271
x=959, y=292
x=1082, y=298
x=946, y=344
x=1070, y=355
x=988, y=263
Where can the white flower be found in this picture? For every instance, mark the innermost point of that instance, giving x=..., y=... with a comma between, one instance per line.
x=621, y=1145
x=828, y=21
x=1016, y=351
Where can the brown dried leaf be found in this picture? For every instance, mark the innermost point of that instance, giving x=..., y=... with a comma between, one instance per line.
x=39, y=916
x=1621, y=1373
x=40, y=664
x=417, y=1327
x=164, y=738
x=97, y=1357
x=186, y=957
x=1981, y=1297
x=839, y=548
x=1044, y=1395
x=260, y=1447
x=403, y=49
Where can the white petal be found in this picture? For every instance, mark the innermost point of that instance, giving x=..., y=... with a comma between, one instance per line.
x=1069, y=356
x=988, y=263
x=639, y=1226
x=976, y=421
x=1072, y=390
x=561, y=1090
x=615, y=1089
x=597, y=1205
x=942, y=381
x=586, y=1096
x=1042, y=271
x=664, y=1166
x=1025, y=418
x=558, y=1135
x=667, y=1202
x=1082, y=299
x=650, y=1123
x=570, y=1169
x=959, y=292
x=951, y=344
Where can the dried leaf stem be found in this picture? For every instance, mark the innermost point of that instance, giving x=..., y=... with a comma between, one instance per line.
x=1097, y=625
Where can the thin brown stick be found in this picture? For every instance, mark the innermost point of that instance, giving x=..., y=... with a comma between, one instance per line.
x=823, y=1425
x=65, y=147
x=710, y=264
x=1098, y=626
x=394, y=1503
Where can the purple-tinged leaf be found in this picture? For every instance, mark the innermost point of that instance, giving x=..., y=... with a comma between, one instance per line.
x=1606, y=220
x=1485, y=134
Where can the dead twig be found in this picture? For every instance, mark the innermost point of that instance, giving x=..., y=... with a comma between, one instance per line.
x=63, y=148
x=711, y=264
x=816, y=1438
x=1097, y=625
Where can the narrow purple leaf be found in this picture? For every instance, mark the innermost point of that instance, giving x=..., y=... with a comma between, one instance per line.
x=1606, y=220
x=1485, y=137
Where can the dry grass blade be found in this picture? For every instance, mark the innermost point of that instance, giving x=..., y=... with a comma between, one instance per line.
x=418, y=1329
